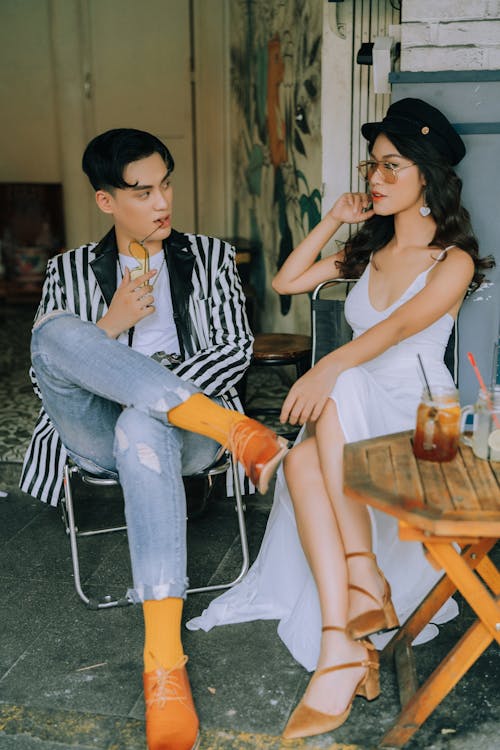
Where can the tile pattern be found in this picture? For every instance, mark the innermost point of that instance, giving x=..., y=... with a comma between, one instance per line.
x=19, y=404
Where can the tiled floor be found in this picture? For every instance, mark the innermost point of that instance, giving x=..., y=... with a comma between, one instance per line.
x=71, y=677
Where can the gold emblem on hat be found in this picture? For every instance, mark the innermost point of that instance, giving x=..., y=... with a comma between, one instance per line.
x=425, y=130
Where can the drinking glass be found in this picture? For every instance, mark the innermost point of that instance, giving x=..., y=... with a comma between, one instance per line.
x=485, y=441
x=437, y=432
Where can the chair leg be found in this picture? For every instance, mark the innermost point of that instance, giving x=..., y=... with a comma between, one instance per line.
x=302, y=366
x=71, y=530
x=108, y=601
x=240, y=511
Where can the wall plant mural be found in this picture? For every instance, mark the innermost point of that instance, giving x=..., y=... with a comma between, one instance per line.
x=275, y=125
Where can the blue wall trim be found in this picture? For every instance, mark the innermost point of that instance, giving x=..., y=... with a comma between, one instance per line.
x=477, y=128
x=444, y=76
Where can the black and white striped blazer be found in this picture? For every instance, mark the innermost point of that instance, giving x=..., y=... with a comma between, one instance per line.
x=209, y=310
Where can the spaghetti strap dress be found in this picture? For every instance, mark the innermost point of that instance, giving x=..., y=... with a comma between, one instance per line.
x=379, y=397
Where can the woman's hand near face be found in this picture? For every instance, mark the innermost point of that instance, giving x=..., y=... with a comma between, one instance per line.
x=352, y=208
x=302, y=271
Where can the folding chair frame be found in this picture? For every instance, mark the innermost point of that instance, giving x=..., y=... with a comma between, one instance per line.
x=68, y=516
x=451, y=354
x=315, y=314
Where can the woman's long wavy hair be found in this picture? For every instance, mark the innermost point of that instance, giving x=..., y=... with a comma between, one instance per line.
x=443, y=190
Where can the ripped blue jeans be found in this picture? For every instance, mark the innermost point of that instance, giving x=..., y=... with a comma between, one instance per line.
x=109, y=406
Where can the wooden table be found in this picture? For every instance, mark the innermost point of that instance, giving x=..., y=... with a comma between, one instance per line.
x=438, y=505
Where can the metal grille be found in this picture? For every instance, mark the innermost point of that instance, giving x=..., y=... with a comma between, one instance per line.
x=371, y=18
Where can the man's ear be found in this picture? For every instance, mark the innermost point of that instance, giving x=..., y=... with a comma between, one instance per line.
x=104, y=201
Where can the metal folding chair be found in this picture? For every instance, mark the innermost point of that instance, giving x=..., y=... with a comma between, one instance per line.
x=330, y=329
x=71, y=472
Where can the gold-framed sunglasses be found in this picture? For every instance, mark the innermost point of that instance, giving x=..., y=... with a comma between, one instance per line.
x=140, y=253
x=387, y=169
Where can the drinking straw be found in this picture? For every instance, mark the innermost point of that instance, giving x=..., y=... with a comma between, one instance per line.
x=425, y=377
x=483, y=387
x=149, y=235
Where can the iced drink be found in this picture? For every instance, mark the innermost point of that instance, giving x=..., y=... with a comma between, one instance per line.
x=437, y=431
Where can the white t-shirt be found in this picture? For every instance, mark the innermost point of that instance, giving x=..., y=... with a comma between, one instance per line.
x=156, y=332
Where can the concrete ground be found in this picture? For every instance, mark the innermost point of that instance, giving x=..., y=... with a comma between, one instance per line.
x=71, y=677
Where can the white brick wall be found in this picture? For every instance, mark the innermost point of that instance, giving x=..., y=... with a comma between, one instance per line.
x=450, y=35
x=449, y=10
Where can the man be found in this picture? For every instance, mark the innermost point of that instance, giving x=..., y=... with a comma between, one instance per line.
x=136, y=343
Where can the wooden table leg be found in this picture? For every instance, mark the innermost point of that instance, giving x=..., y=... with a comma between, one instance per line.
x=438, y=685
x=459, y=570
x=489, y=574
x=470, y=585
x=435, y=599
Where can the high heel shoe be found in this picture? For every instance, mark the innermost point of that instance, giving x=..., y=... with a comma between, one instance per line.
x=306, y=721
x=384, y=617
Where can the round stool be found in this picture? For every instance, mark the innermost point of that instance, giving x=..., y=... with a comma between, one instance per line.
x=279, y=349
x=282, y=349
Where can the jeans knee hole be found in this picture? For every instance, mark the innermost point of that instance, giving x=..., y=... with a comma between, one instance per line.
x=162, y=406
x=182, y=393
x=148, y=457
x=121, y=439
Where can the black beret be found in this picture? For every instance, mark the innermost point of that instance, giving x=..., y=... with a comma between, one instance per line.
x=416, y=117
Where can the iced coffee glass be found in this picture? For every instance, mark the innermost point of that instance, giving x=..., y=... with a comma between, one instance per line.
x=437, y=432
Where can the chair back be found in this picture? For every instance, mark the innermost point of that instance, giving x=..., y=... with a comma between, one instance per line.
x=329, y=327
x=451, y=353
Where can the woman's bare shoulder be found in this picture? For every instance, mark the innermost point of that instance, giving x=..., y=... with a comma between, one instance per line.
x=456, y=263
x=455, y=251
x=458, y=258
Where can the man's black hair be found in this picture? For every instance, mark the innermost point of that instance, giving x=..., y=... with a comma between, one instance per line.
x=108, y=154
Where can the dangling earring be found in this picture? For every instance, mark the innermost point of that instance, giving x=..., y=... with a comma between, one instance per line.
x=424, y=210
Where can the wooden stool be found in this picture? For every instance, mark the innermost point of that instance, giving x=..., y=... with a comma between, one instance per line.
x=282, y=349
x=279, y=349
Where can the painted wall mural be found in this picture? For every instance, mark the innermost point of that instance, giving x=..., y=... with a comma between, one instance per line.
x=275, y=126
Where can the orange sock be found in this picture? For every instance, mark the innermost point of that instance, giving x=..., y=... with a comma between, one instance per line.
x=162, y=625
x=200, y=414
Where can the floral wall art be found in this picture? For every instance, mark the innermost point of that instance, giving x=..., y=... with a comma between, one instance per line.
x=276, y=138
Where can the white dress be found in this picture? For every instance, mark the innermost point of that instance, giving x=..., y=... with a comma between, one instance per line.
x=378, y=397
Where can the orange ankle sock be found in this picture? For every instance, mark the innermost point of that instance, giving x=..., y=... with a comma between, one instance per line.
x=162, y=625
x=200, y=414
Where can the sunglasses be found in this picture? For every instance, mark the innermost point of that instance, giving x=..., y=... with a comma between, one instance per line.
x=140, y=253
x=388, y=171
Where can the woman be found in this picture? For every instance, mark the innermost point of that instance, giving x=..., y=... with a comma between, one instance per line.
x=416, y=258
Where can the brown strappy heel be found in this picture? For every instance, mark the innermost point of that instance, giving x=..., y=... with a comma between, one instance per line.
x=382, y=618
x=306, y=721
